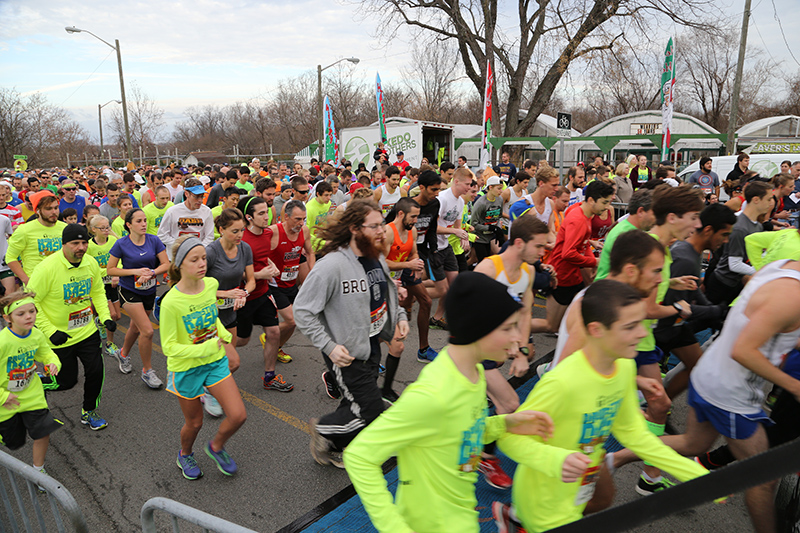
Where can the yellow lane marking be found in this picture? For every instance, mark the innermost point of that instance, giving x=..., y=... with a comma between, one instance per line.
x=274, y=411
x=254, y=400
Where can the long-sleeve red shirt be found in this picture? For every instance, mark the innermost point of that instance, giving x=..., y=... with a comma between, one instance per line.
x=572, y=250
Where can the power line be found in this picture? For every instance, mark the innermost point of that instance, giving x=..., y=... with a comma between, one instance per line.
x=762, y=37
x=87, y=79
x=778, y=20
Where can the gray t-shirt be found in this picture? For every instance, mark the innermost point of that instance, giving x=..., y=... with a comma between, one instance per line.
x=735, y=248
x=228, y=272
x=109, y=212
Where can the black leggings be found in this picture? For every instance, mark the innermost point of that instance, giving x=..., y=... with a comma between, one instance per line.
x=90, y=356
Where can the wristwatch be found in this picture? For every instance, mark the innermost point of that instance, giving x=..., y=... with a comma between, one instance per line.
x=678, y=307
x=525, y=351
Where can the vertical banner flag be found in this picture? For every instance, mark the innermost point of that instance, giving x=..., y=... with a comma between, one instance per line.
x=487, y=117
x=667, y=94
x=331, y=142
x=379, y=101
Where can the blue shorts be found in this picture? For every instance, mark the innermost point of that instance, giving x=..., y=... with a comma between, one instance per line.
x=731, y=425
x=189, y=383
x=649, y=358
x=407, y=278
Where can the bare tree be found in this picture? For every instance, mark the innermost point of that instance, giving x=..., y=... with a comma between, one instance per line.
x=432, y=80
x=145, y=119
x=34, y=127
x=709, y=61
x=554, y=34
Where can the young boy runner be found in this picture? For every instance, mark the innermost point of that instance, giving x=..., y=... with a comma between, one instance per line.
x=485, y=217
x=317, y=211
x=438, y=453
x=23, y=406
x=554, y=481
x=155, y=210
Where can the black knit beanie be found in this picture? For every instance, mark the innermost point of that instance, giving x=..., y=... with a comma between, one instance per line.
x=74, y=232
x=475, y=306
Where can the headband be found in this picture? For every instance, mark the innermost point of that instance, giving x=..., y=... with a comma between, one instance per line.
x=247, y=204
x=18, y=303
x=183, y=250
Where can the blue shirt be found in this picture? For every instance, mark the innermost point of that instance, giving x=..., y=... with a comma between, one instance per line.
x=133, y=199
x=77, y=205
x=134, y=257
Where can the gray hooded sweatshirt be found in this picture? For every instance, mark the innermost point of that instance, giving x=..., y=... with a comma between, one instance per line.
x=333, y=305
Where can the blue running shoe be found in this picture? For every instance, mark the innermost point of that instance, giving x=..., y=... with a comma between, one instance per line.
x=93, y=420
x=224, y=461
x=427, y=355
x=189, y=467
x=381, y=369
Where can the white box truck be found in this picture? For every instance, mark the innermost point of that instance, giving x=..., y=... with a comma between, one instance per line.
x=415, y=138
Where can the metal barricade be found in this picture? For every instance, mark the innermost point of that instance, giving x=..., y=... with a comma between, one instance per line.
x=194, y=516
x=25, y=506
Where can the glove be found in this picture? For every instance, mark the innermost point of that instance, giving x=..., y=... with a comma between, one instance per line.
x=58, y=338
x=110, y=325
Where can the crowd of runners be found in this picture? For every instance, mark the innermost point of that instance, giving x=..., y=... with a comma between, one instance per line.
x=632, y=266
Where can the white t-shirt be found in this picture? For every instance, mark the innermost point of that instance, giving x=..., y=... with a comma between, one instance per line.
x=173, y=191
x=723, y=382
x=451, y=209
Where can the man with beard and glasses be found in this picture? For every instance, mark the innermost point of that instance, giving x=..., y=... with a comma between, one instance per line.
x=346, y=306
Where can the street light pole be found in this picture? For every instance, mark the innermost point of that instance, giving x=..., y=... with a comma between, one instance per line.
x=353, y=60
x=100, y=119
x=73, y=29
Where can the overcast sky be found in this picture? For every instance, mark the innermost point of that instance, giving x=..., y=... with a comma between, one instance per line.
x=207, y=51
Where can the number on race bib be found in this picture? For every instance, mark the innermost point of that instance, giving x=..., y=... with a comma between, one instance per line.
x=289, y=273
x=78, y=319
x=20, y=378
x=225, y=303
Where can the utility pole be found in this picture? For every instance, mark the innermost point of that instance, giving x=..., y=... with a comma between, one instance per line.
x=737, y=84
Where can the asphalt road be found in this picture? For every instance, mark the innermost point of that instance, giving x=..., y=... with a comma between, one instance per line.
x=111, y=473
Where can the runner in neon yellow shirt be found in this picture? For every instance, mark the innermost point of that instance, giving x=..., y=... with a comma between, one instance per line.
x=155, y=210
x=765, y=247
x=22, y=402
x=67, y=286
x=195, y=343
x=555, y=480
x=317, y=210
x=439, y=425
x=35, y=240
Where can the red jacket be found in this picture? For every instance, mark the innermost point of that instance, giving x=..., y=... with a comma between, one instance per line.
x=572, y=250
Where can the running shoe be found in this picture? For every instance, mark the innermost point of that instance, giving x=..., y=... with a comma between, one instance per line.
x=211, y=405
x=493, y=473
x=151, y=379
x=381, y=369
x=331, y=388
x=437, y=324
x=284, y=357
x=503, y=519
x=39, y=487
x=225, y=462
x=427, y=355
x=704, y=460
x=645, y=488
x=336, y=459
x=93, y=420
x=112, y=350
x=389, y=395
x=542, y=369
x=124, y=363
x=277, y=383
x=319, y=445
x=189, y=467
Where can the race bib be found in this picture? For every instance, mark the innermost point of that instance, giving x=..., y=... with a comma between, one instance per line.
x=289, y=273
x=395, y=274
x=107, y=280
x=377, y=320
x=78, y=319
x=149, y=284
x=588, y=483
x=20, y=378
x=225, y=303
